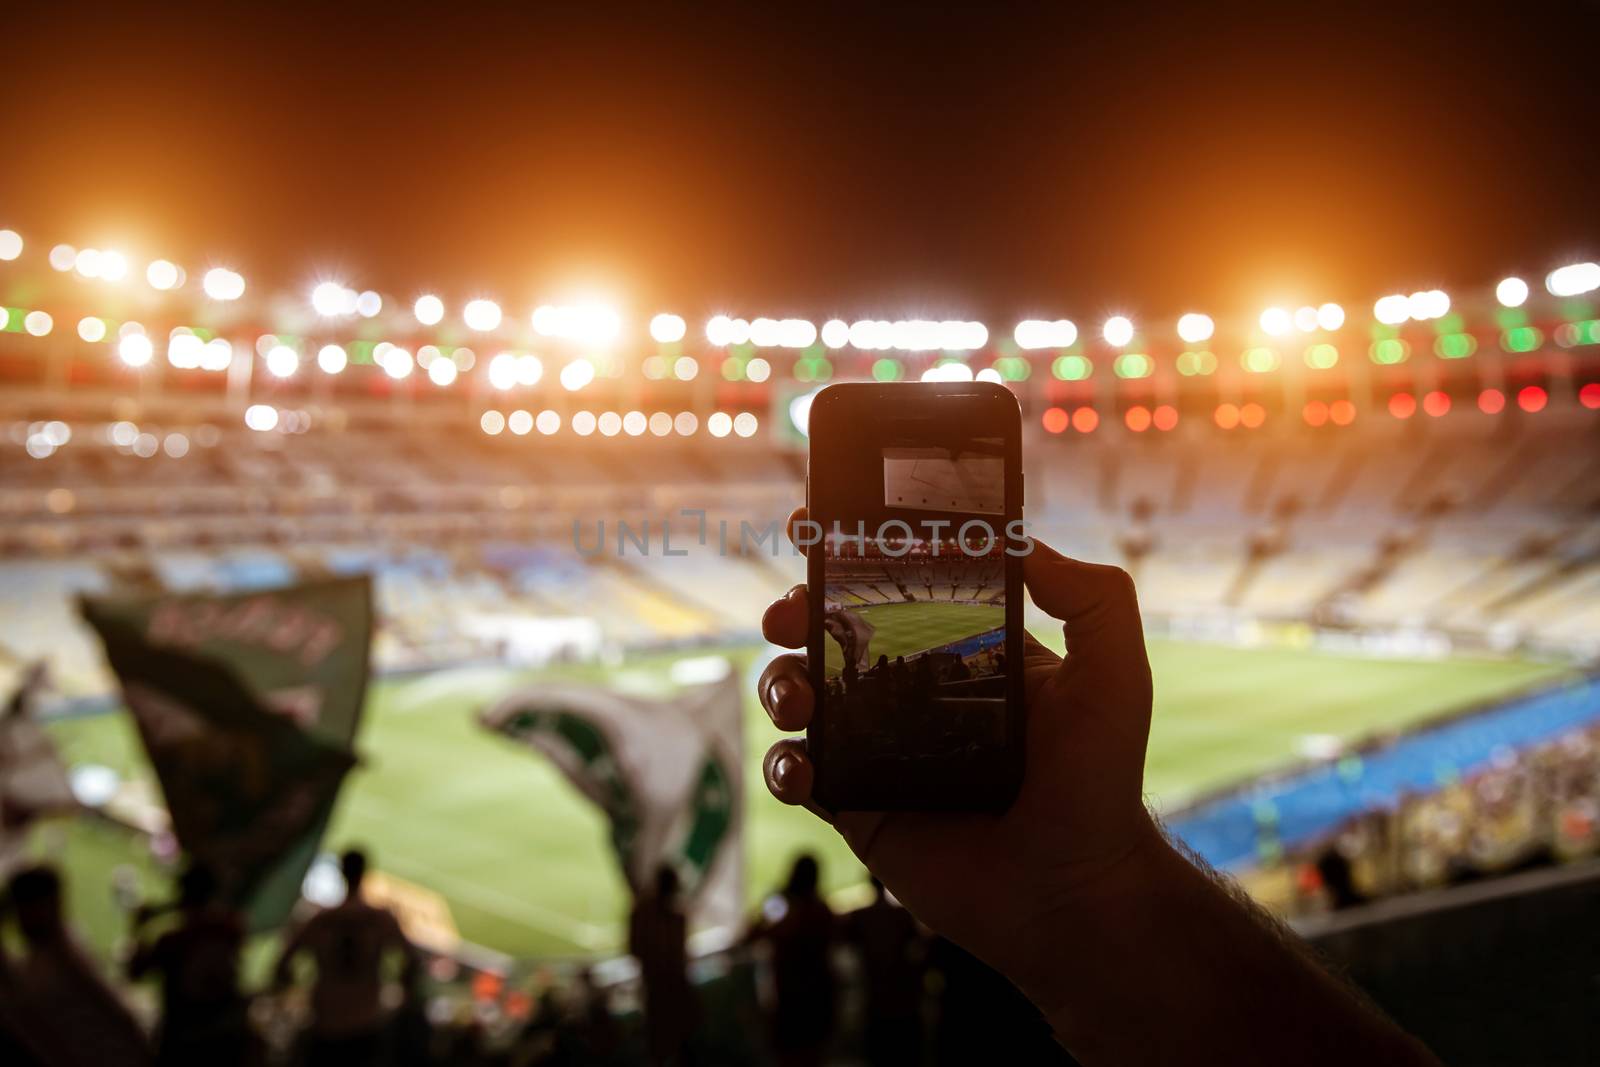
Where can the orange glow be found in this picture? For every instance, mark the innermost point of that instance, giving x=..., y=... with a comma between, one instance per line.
x=1227, y=416
x=1137, y=418
x=1084, y=420
x=1316, y=413
x=1436, y=403
x=1166, y=417
x=1341, y=413
x=1402, y=405
x=1055, y=420
x=1252, y=415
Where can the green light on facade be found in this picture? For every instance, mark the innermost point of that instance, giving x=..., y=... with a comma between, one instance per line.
x=1390, y=351
x=1072, y=368
x=1572, y=334
x=1450, y=323
x=1455, y=346
x=1522, y=339
x=733, y=369
x=1260, y=360
x=887, y=370
x=1013, y=368
x=1196, y=361
x=1133, y=365
x=1511, y=318
x=1384, y=332
x=1322, y=356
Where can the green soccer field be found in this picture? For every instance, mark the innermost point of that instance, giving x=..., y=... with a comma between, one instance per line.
x=903, y=629
x=524, y=861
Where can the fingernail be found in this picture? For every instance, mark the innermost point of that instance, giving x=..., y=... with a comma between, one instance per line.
x=783, y=769
x=779, y=689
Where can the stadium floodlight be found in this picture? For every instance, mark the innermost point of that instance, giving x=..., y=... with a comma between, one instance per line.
x=757, y=370
x=282, y=361
x=38, y=323
x=92, y=329
x=135, y=349
x=261, y=417
x=667, y=328
x=332, y=359
x=503, y=370
x=113, y=266
x=953, y=371
x=428, y=309
x=634, y=423
x=576, y=375
x=590, y=323
x=63, y=257
x=184, y=349
x=685, y=369
x=1574, y=279
x=162, y=274
x=330, y=299
x=1193, y=328
x=745, y=424
x=10, y=244
x=1428, y=304
x=1034, y=334
x=1305, y=319
x=175, y=445
x=989, y=374
x=1330, y=316
x=368, y=304
x=442, y=371
x=529, y=369
x=835, y=333
x=548, y=422
x=1276, y=322
x=1392, y=310
x=686, y=423
x=491, y=422
x=87, y=263
x=216, y=355
x=398, y=362
x=1511, y=292
x=220, y=283
x=1118, y=331
x=481, y=315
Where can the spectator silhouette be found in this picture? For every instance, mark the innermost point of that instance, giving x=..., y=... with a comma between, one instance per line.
x=802, y=976
x=1336, y=878
x=657, y=932
x=349, y=943
x=202, y=1013
x=890, y=945
x=68, y=1015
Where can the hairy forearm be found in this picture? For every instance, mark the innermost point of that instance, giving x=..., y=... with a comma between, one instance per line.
x=1163, y=960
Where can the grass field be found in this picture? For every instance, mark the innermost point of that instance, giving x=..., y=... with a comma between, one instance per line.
x=524, y=861
x=901, y=629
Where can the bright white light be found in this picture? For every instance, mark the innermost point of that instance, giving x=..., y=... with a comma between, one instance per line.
x=221, y=283
x=576, y=375
x=686, y=423
x=720, y=423
x=1195, y=327
x=216, y=355
x=398, y=362
x=590, y=322
x=1276, y=322
x=686, y=368
x=744, y=424
x=92, y=329
x=520, y=422
x=529, y=369
x=175, y=445
x=87, y=263
x=428, y=309
x=135, y=350
x=368, y=304
x=1511, y=292
x=184, y=350
x=57, y=432
x=113, y=266
x=38, y=323
x=328, y=299
x=1573, y=280
x=948, y=372
x=583, y=423
x=1117, y=331
x=1392, y=310
x=332, y=359
x=161, y=274
x=722, y=331
x=1305, y=319
x=442, y=372
x=39, y=446
x=145, y=445
x=63, y=257
x=1034, y=334
x=989, y=374
x=661, y=424
x=765, y=332
x=1428, y=304
x=492, y=422
x=548, y=422
x=261, y=417
x=123, y=433
x=481, y=315
x=797, y=333
x=634, y=423
x=667, y=328
x=1330, y=316
x=609, y=423
x=282, y=361
x=10, y=244
x=835, y=333
x=503, y=371
x=758, y=370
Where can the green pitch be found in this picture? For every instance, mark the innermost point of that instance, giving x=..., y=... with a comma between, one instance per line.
x=902, y=629
x=524, y=861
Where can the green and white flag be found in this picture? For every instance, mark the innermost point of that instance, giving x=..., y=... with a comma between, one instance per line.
x=666, y=771
x=247, y=704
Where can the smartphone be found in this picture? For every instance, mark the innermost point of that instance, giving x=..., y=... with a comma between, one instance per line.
x=915, y=578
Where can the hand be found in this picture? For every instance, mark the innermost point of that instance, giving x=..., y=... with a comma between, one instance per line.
x=996, y=883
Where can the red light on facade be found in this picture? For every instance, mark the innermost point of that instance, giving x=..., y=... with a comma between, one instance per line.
x=1491, y=401
x=1252, y=415
x=1589, y=395
x=1316, y=413
x=1402, y=405
x=1227, y=416
x=1436, y=403
x=1531, y=398
x=1084, y=420
x=1137, y=418
x=1165, y=417
x=1055, y=420
x=1342, y=412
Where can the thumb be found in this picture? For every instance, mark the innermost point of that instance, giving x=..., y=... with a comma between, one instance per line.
x=1098, y=609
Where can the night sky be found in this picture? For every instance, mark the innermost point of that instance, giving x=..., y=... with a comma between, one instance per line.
x=992, y=162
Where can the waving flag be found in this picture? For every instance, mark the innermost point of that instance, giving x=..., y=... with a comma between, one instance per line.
x=247, y=705
x=666, y=772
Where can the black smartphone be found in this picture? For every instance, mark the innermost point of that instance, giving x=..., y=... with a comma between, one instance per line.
x=914, y=569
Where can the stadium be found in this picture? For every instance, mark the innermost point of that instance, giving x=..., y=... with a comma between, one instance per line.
x=1361, y=521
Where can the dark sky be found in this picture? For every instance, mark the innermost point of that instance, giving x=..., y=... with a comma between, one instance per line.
x=993, y=161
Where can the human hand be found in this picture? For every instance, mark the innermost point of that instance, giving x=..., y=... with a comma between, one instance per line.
x=996, y=884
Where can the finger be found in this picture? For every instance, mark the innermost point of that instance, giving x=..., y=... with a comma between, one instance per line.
x=1096, y=604
x=788, y=771
x=785, y=690
x=788, y=619
x=801, y=536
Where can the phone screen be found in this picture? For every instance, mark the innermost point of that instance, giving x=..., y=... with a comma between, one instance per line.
x=916, y=696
